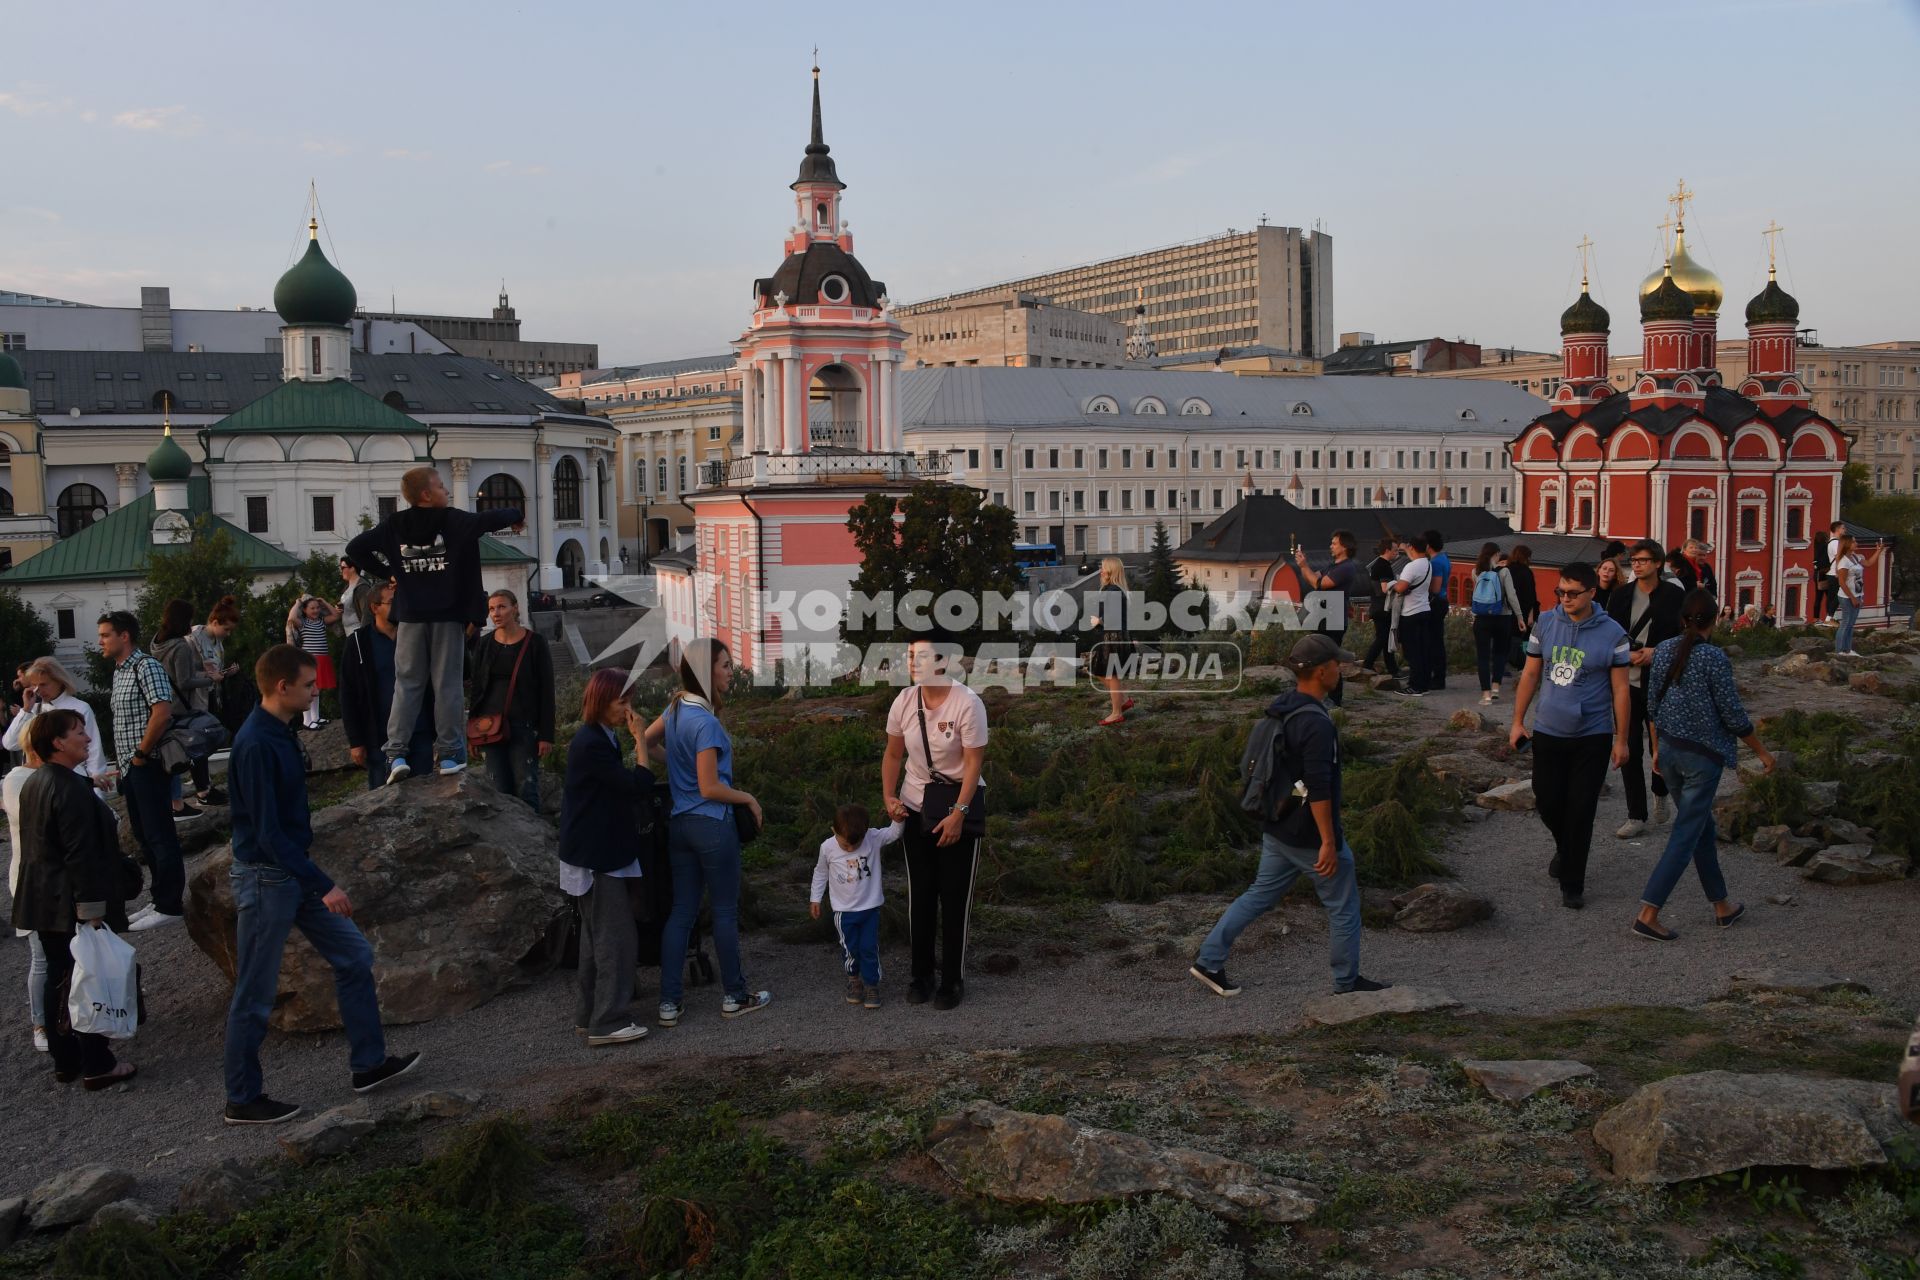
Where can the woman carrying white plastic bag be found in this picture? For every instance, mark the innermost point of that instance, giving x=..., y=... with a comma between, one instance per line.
x=104, y=999
x=72, y=894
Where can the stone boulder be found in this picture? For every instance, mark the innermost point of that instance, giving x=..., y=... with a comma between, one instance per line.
x=224, y=1191
x=1767, y=839
x=1511, y=797
x=1466, y=720
x=329, y=1134
x=1469, y=770
x=452, y=882
x=12, y=1211
x=1836, y=831
x=1793, y=982
x=1822, y=797
x=1351, y=1006
x=1795, y=851
x=1433, y=908
x=1695, y=1126
x=129, y=1213
x=76, y=1195
x=1801, y=666
x=1518, y=1080
x=1854, y=864
x=1871, y=682
x=1383, y=683
x=1023, y=1158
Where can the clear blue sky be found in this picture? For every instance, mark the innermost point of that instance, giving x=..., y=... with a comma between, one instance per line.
x=624, y=166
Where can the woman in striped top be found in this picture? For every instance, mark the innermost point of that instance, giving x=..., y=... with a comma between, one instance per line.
x=307, y=624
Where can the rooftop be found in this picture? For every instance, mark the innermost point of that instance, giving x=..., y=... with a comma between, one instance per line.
x=120, y=543
x=659, y=369
x=1263, y=527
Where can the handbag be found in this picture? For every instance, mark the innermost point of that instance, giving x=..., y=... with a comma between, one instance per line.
x=941, y=794
x=744, y=824
x=486, y=731
x=104, y=997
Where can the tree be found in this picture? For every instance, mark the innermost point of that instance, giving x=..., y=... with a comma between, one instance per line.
x=1163, y=575
x=24, y=634
x=945, y=538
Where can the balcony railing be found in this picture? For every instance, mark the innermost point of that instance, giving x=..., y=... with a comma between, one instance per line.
x=822, y=467
x=835, y=434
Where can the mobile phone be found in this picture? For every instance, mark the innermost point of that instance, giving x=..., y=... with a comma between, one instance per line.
x=1526, y=741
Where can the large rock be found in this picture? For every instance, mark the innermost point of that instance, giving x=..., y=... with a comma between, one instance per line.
x=1512, y=797
x=1801, y=666
x=1518, y=1080
x=1795, y=851
x=224, y=1191
x=1767, y=839
x=329, y=1134
x=1351, y=1006
x=76, y=1195
x=1433, y=908
x=1469, y=770
x=12, y=1210
x=1695, y=1126
x=452, y=882
x=1793, y=982
x=1836, y=831
x=1854, y=864
x=1023, y=1158
x=129, y=1213
x=1822, y=797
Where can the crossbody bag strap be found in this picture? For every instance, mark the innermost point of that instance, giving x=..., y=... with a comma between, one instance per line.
x=926, y=744
x=513, y=678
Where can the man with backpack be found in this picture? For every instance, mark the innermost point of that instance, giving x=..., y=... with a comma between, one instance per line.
x=1292, y=769
x=1649, y=608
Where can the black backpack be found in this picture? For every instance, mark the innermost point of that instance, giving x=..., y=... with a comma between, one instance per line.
x=1270, y=774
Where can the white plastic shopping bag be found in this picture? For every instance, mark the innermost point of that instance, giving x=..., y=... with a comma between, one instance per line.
x=103, y=999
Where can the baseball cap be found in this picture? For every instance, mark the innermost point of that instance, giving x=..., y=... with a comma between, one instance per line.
x=1309, y=651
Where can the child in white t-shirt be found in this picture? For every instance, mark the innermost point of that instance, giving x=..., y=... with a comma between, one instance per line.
x=849, y=870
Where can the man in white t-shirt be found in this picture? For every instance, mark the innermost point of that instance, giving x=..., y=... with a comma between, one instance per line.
x=1413, y=587
x=947, y=721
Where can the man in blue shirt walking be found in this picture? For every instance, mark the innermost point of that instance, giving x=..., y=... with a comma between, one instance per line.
x=277, y=886
x=1582, y=723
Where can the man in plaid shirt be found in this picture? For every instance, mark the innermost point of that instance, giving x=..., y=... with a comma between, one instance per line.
x=142, y=707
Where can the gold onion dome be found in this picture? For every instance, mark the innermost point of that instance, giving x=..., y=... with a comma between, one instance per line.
x=1705, y=287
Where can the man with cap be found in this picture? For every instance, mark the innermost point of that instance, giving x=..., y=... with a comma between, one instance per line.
x=1308, y=838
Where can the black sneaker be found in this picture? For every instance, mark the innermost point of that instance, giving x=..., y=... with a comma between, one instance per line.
x=1368, y=984
x=262, y=1110
x=950, y=996
x=364, y=1081
x=920, y=991
x=1572, y=901
x=1553, y=868
x=1216, y=979
x=214, y=795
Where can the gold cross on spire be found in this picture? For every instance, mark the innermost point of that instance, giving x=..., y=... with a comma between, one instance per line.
x=1772, y=232
x=1585, y=247
x=1680, y=199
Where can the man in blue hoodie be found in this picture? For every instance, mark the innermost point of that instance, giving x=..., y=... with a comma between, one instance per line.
x=432, y=552
x=1308, y=839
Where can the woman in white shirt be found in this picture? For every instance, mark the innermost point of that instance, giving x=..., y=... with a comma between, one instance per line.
x=1851, y=570
x=47, y=685
x=10, y=790
x=938, y=730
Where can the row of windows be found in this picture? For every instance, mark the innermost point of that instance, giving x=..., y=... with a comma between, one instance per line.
x=1303, y=459
x=1075, y=500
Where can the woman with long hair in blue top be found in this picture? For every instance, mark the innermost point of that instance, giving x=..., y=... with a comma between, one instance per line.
x=1692, y=701
x=703, y=839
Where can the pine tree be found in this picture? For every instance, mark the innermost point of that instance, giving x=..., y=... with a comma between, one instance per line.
x=1163, y=575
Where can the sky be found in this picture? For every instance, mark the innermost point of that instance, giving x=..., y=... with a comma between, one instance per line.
x=624, y=167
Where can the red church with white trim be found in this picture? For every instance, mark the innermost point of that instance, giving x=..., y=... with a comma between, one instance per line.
x=1753, y=471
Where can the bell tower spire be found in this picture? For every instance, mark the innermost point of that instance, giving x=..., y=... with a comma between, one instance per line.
x=817, y=189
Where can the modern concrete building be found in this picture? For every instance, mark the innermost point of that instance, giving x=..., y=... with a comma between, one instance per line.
x=497, y=338
x=1360, y=355
x=1014, y=330
x=1271, y=286
x=29, y=322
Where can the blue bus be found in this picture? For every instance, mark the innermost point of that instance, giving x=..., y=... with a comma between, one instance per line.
x=1028, y=555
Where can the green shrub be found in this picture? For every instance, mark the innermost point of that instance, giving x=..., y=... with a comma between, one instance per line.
x=1775, y=799
x=861, y=1228
x=120, y=1251
x=1156, y=1239
x=488, y=1168
x=1395, y=814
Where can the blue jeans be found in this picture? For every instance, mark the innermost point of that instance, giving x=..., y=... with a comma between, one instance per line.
x=1849, y=614
x=1693, y=779
x=270, y=903
x=860, y=943
x=705, y=855
x=514, y=765
x=1280, y=866
x=149, y=792
x=419, y=759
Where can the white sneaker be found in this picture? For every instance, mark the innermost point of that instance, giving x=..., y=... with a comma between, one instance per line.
x=625, y=1035
x=141, y=914
x=734, y=1007
x=152, y=920
x=1486, y=699
x=40, y=1039
x=1631, y=828
x=1659, y=810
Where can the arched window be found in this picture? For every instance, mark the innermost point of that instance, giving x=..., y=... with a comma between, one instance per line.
x=395, y=399
x=80, y=505
x=500, y=492
x=566, y=489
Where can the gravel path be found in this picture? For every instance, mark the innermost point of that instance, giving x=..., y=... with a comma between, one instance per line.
x=1534, y=956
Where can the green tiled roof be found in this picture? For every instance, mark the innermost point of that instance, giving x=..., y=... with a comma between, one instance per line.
x=333, y=407
x=494, y=551
x=120, y=544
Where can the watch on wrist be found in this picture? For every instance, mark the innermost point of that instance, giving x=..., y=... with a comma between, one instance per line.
x=963, y=808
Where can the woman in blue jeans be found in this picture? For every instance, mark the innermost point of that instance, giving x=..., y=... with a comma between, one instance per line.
x=703, y=845
x=1697, y=713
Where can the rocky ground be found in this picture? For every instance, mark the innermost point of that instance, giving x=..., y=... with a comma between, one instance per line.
x=1083, y=1007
